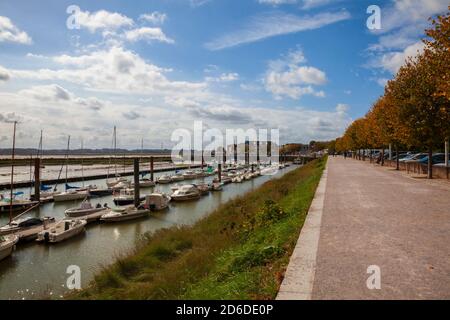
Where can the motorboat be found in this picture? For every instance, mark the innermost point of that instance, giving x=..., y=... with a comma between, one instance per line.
x=203, y=188
x=125, y=196
x=7, y=245
x=186, y=192
x=100, y=192
x=189, y=174
x=157, y=201
x=175, y=187
x=164, y=179
x=146, y=183
x=217, y=186
x=201, y=173
x=125, y=213
x=16, y=204
x=85, y=209
x=24, y=224
x=62, y=230
x=177, y=177
x=238, y=179
x=121, y=185
x=113, y=182
x=70, y=195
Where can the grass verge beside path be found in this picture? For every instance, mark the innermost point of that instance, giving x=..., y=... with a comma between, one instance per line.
x=240, y=251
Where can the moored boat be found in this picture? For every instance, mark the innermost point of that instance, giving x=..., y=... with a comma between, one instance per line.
x=25, y=224
x=85, y=208
x=189, y=174
x=125, y=197
x=164, y=179
x=157, y=201
x=177, y=177
x=62, y=230
x=16, y=204
x=70, y=195
x=186, y=192
x=7, y=245
x=124, y=214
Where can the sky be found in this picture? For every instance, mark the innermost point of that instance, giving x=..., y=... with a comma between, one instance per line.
x=305, y=67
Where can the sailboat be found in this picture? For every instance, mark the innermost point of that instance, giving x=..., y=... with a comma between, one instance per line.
x=46, y=192
x=112, y=182
x=14, y=204
x=71, y=192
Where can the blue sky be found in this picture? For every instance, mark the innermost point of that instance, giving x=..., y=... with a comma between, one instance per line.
x=307, y=67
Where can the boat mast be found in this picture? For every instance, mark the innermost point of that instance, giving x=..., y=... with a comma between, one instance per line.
x=67, y=157
x=82, y=167
x=115, y=151
x=12, y=174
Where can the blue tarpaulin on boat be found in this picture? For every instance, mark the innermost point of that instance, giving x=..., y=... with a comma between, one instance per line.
x=71, y=187
x=45, y=188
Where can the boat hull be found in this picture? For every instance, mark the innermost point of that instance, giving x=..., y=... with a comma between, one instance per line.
x=7, y=248
x=126, y=201
x=185, y=197
x=69, y=197
x=46, y=235
x=126, y=216
x=82, y=213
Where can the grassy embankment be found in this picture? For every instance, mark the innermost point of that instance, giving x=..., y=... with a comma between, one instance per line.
x=240, y=251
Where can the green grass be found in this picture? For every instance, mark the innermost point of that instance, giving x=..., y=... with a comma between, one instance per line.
x=239, y=251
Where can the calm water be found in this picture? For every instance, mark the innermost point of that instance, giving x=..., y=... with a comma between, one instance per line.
x=37, y=269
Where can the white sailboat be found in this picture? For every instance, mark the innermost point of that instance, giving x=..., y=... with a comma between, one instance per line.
x=111, y=183
x=71, y=193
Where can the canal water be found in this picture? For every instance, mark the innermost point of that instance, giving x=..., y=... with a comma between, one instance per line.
x=38, y=270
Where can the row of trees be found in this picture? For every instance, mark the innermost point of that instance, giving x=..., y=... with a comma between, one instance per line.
x=414, y=111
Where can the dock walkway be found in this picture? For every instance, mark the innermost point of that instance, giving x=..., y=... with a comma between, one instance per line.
x=368, y=219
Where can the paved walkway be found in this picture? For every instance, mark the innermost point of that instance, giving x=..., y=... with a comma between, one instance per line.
x=375, y=216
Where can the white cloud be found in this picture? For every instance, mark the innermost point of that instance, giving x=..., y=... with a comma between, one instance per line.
x=114, y=70
x=102, y=20
x=56, y=93
x=147, y=34
x=10, y=33
x=342, y=108
x=4, y=74
x=402, y=25
x=275, y=24
x=224, y=77
x=308, y=4
x=198, y=3
x=287, y=77
x=393, y=60
x=154, y=17
x=277, y=2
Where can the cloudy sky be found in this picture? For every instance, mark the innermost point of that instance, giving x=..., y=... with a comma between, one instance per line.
x=307, y=67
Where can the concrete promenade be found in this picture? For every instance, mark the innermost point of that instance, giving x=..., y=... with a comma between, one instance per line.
x=365, y=216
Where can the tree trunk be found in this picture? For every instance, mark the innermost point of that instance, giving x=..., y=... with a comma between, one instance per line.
x=382, y=157
x=430, y=163
x=397, y=160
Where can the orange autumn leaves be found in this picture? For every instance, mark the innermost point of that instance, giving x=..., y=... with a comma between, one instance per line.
x=415, y=107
